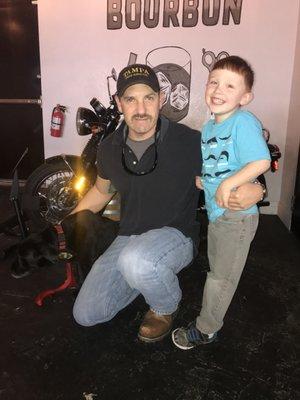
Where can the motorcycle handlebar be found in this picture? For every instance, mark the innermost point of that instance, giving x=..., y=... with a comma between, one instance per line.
x=274, y=152
x=99, y=108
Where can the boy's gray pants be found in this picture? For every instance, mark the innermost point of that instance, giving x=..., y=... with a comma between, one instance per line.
x=229, y=239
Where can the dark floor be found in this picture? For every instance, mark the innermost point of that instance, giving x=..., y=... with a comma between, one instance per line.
x=45, y=355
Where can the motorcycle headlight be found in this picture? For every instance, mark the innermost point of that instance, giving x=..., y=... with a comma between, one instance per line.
x=86, y=121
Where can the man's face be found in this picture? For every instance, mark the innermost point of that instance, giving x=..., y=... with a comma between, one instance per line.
x=225, y=92
x=140, y=106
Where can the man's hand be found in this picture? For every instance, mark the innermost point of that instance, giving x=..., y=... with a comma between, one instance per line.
x=245, y=196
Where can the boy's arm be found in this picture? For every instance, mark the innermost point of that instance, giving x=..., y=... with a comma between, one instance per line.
x=247, y=174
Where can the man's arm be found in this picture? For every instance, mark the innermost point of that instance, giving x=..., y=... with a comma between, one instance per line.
x=249, y=172
x=245, y=196
x=96, y=198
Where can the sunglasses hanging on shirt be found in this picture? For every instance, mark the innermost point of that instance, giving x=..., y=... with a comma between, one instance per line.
x=152, y=168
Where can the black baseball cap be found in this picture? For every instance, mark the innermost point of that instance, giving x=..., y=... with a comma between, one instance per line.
x=136, y=73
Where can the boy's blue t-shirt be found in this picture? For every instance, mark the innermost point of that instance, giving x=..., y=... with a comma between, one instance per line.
x=226, y=148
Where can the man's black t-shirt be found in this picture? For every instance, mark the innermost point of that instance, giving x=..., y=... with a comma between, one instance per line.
x=165, y=197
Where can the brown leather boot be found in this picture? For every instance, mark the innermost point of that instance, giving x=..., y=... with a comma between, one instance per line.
x=155, y=327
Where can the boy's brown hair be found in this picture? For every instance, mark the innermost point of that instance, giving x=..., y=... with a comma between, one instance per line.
x=238, y=65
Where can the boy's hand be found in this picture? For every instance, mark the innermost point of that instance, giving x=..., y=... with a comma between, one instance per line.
x=198, y=182
x=222, y=194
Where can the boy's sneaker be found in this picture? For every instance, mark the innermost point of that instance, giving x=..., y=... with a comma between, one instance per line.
x=187, y=338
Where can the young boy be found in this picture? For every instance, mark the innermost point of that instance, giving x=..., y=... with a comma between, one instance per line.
x=234, y=152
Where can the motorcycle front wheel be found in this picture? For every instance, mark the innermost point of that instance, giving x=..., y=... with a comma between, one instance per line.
x=49, y=195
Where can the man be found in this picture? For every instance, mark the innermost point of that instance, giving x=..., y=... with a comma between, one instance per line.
x=152, y=162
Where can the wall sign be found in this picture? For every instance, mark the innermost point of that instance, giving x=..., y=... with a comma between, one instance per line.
x=133, y=14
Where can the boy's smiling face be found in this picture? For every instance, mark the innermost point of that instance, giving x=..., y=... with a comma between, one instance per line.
x=225, y=92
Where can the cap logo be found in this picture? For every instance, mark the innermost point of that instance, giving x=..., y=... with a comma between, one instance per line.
x=136, y=71
x=137, y=74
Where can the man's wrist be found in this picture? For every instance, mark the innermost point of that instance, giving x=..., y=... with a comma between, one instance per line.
x=263, y=188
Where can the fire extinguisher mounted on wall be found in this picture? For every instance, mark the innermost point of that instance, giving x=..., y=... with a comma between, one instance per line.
x=57, y=120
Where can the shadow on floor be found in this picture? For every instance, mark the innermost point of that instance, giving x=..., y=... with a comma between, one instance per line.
x=45, y=355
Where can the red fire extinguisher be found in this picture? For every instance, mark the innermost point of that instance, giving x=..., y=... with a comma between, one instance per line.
x=57, y=120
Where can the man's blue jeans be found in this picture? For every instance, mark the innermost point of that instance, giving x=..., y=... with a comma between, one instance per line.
x=146, y=264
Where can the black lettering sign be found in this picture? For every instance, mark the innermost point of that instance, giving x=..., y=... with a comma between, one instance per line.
x=190, y=13
x=208, y=19
x=114, y=15
x=168, y=13
x=151, y=22
x=171, y=8
x=233, y=7
x=133, y=14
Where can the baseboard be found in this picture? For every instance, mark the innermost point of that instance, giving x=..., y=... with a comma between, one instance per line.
x=272, y=209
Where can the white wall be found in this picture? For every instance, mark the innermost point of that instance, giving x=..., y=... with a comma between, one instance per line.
x=292, y=143
x=78, y=51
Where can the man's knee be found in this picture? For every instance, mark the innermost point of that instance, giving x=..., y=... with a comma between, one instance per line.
x=80, y=317
x=86, y=317
x=135, y=267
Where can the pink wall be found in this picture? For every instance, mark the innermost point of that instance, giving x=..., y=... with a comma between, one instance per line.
x=78, y=50
x=292, y=143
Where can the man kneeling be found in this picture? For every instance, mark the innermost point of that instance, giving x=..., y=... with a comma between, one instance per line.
x=152, y=162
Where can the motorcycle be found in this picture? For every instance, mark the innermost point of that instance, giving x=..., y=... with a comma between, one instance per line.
x=275, y=156
x=54, y=189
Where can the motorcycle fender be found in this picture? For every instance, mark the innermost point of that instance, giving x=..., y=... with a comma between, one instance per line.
x=69, y=157
x=74, y=161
